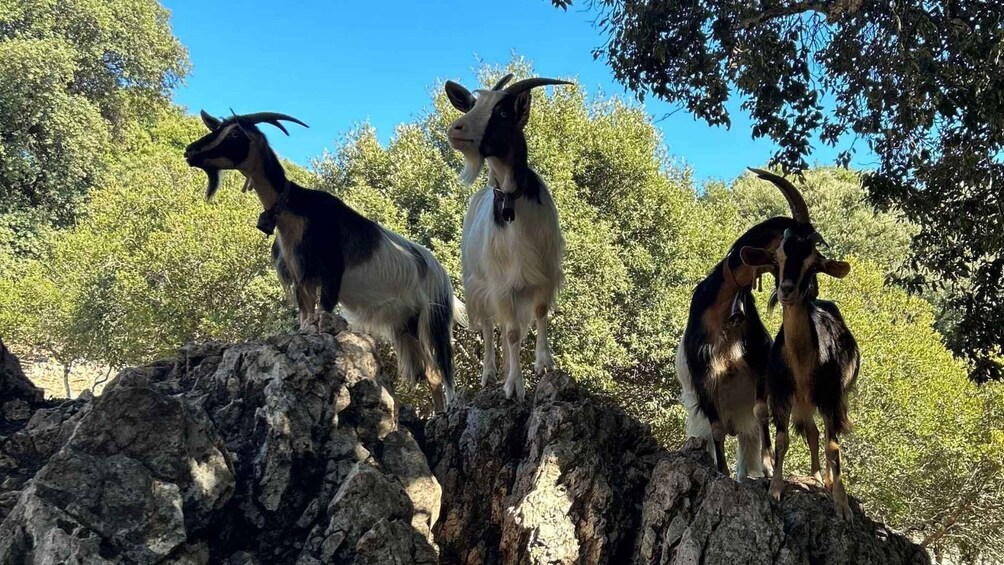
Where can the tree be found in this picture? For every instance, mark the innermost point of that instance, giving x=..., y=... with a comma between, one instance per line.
x=150, y=265
x=920, y=83
x=641, y=236
x=72, y=76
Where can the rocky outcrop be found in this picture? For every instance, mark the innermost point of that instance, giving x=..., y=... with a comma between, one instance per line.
x=17, y=394
x=291, y=450
x=282, y=451
x=569, y=478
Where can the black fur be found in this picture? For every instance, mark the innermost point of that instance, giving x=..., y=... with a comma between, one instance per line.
x=416, y=254
x=503, y=133
x=440, y=322
x=530, y=186
x=835, y=374
x=749, y=330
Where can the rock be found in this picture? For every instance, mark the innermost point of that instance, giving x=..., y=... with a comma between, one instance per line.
x=292, y=450
x=16, y=410
x=141, y=470
x=13, y=383
x=565, y=477
x=280, y=451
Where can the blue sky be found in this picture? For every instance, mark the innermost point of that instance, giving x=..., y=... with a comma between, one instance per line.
x=335, y=65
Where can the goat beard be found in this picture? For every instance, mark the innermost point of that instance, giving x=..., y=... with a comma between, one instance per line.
x=213, y=176
x=473, y=163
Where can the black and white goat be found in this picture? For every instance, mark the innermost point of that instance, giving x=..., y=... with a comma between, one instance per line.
x=511, y=247
x=324, y=249
x=721, y=362
x=814, y=362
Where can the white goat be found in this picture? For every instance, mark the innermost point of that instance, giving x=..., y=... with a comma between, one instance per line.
x=511, y=247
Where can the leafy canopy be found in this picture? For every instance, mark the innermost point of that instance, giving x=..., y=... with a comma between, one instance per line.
x=152, y=265
x=73, y=75
x=919, y=82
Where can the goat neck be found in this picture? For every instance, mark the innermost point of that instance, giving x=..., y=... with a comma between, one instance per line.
x=266, y=175
x=509, y=173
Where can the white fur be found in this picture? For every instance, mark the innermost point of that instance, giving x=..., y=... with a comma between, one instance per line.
x=508, y=271
x=379, y=296
x=734, y=395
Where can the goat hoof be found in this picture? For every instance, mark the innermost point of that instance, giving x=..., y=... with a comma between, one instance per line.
x=840, y=503
x=843, y=510
x=487, y=377
x=768, y=466
x=515, y=387
x=776, y=489
x=520, y=392
x=543, y=364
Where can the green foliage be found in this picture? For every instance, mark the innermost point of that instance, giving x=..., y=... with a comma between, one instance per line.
x=151, y=265
x=640, y=237
x=73, y=74
x=919, y=82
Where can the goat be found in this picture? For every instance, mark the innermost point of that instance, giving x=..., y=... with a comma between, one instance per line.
x=385, y=283
x=511, y=245
x=721, y=362
x=814, y=362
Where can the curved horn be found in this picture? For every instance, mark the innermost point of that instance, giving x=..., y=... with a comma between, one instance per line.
x=799, y=211
x=528, y=83
x=270, y=118
x=502, y=82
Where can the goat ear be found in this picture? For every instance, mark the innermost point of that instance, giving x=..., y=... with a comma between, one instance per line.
x=211, y=122
x=523, y=108
x=756, y=257
x=460, y=97
x=836, y=269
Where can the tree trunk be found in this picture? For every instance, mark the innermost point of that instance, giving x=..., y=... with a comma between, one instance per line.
x=66, y=379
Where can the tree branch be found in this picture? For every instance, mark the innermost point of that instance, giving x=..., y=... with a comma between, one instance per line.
x=781, y=11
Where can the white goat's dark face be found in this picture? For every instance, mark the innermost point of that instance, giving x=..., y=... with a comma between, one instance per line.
x=491, y=125
x=796, y=263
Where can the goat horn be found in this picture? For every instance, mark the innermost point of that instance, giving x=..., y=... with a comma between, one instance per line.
x=502, y=81
x=270, y=118
x=527, y=84
x=799, y=211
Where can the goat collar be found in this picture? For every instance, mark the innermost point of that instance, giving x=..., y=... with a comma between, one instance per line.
x=266, y=220
x=737, y=314
x=504, y=203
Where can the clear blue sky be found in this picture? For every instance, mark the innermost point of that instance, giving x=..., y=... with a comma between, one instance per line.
x=337, y=64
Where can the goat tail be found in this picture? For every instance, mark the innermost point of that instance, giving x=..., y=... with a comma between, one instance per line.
x=437, y=330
